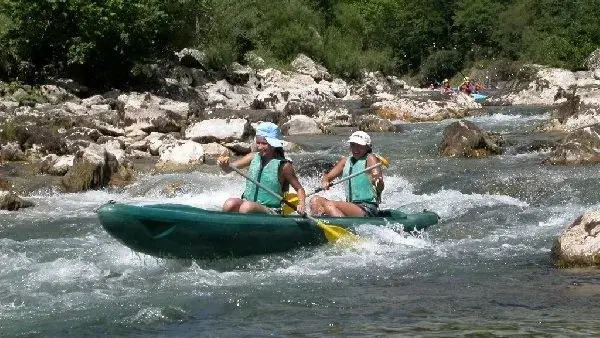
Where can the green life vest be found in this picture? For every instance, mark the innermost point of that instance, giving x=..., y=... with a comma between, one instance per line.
x=359, y=188
x=267, y=176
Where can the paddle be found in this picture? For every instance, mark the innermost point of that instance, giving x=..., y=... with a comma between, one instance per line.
x=333, y=233
x=293, y=198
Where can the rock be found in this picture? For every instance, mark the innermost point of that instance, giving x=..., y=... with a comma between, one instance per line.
x=239, y=148
x=12, y=152
x=464, y=138
x=573, y=153
x=182, y=152
x=194, y=58
x=212, y=151
x=238, y=74
x=254, y=60
x=55, y=94
x=252, y=115
x=219, y=130
x=48, y=139
x=593, y=61
x=11, y=202
x=372, y=123
x=587, y=136
x=57, y=166
x=579, y=244
x=93, y=168
x=305, y=65
x=300, y=125
x=301, y=107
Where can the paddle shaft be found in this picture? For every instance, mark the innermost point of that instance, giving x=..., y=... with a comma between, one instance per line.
x=260, y=185
x=331, y=184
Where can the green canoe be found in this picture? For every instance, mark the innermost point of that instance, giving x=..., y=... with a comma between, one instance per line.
x=181, y=231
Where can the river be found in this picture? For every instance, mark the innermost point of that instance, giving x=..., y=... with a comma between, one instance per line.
x=484, y=270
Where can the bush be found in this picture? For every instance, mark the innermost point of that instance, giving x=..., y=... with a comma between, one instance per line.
x=439, y=65
x=94, y=42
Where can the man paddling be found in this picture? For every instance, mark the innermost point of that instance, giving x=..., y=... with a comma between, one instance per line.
x=269, y=167
x=363, y=192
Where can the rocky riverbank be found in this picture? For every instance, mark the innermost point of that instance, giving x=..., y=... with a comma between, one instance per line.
x=54, y=137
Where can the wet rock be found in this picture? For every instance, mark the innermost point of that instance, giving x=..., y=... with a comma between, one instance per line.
x=372, y=123
x=92, y=168
x=464, y=138
x=573, y=153
x=11, y=202
x=587, y=136
x=579, y=244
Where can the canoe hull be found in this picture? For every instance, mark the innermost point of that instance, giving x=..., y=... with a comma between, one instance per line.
x=180, y=231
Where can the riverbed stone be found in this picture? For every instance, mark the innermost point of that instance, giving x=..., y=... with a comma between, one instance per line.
x=465, y=138
x=579, y=244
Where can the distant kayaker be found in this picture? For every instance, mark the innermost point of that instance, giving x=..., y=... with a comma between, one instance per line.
x=363, y=192
x=269, y=167
x=465, y=87
x=446, y=87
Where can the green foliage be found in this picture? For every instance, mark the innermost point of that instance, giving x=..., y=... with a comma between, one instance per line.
x=345, y=57
x=474, y=23
x=100, y=42
x=95, y=41
x=439, y=65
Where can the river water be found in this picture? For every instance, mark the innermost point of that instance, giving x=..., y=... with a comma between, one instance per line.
x=484, y=270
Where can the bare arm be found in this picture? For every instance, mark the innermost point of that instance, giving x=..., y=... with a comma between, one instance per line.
x=223, y=162
x=289, y=175
x=376, y=174
x=337, y=170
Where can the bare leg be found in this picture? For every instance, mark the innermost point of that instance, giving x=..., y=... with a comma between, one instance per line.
x=249, y=207
x=320, y=206
x=232, y=204
x=317, y=205
x=342, y=209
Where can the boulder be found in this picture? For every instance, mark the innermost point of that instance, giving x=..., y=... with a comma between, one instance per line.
x=182, y=152
x=11, y=202
x=305, y=65
x=579, y=244
x=219, y=130
x=93, y=168
x=593, y=61
x=573, y=153
x=373, y=123
x=300, y=125
x=464, y=138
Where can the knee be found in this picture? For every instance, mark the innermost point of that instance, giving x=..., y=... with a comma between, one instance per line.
x=315, y=202
x=245, y=208
x=232, y=204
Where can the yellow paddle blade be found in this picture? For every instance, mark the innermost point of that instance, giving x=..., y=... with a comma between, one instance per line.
x=384, y=161
x=335, y=233
x=292, y=198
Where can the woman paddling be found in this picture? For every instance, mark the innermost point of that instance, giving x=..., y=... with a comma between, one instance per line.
x=269, y=167
x=363, y=192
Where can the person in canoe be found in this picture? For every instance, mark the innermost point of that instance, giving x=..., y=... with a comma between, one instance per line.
x=446, y=87
x=465, y=86
x=269, y=167
x=363, y=192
